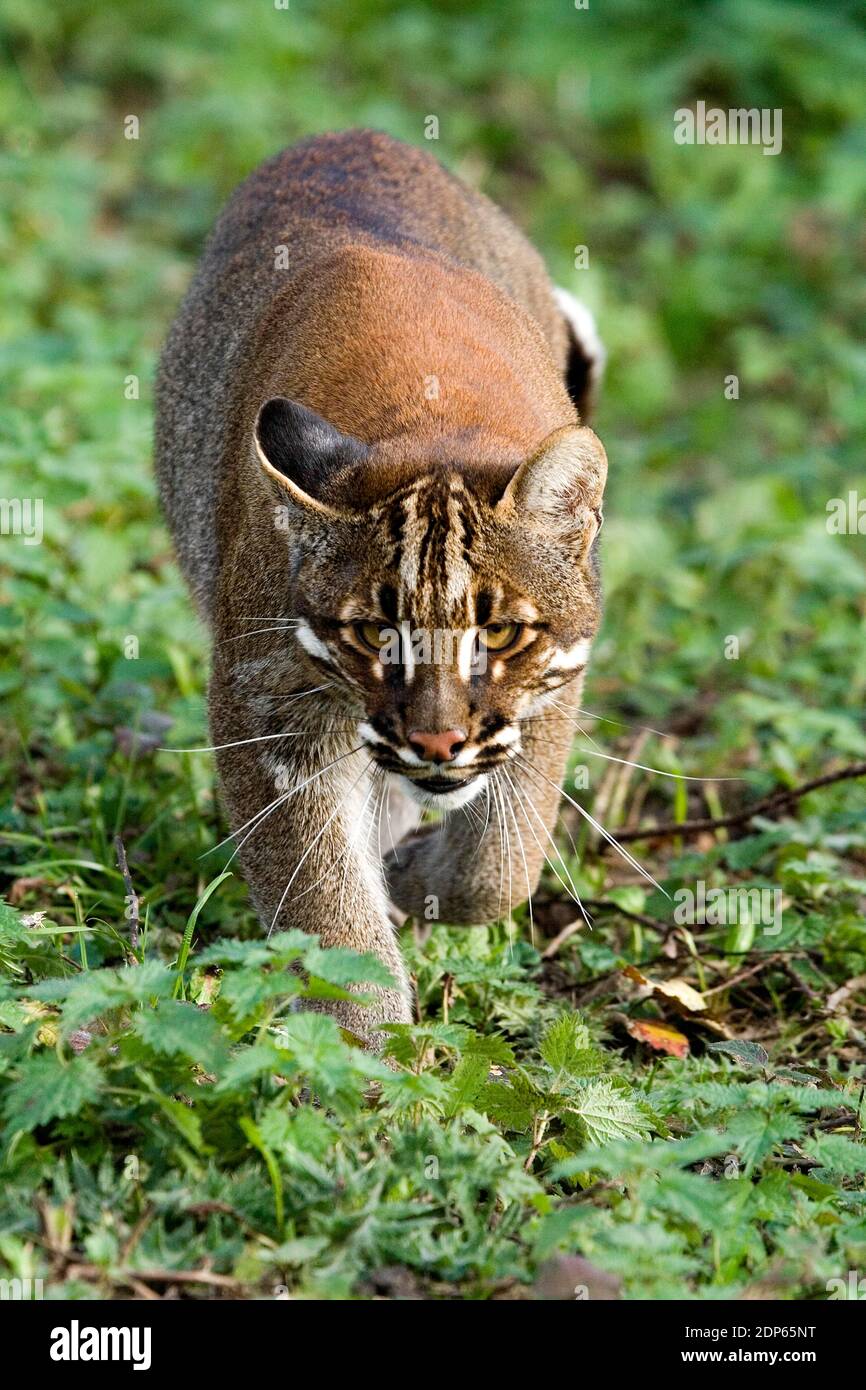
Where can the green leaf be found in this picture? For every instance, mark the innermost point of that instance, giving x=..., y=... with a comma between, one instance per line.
x=621, y=1157
x=245, y=990
x=408, y=1091
x=186, y=944
x=46, y=1090
x=567, y=1048
x=562, y=1042
x=605, y=1113
x=491, y=1045
x=313, y=1040
x=750, y=1054
x=754, y=1134
x=177, y=1028
x=513, y=1104
x=343, y=967
x=92, y=993
x=248, y=1063
x=465, y=1083
x=838, y=1154
x=254, y=1135
x=184, y=1119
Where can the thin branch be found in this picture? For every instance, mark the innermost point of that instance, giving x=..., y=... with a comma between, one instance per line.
x=132, y=902
x=768, y=805
x=598, y=905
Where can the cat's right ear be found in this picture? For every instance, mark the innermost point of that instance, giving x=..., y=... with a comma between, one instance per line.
x=304, y=456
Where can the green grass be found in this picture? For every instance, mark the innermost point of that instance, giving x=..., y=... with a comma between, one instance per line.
x=156, y=1102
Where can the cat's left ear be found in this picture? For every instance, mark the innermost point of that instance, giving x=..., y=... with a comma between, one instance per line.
x=304, y=455
x=560, y=489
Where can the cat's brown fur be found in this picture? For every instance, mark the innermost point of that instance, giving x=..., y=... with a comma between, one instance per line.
x=385, y=429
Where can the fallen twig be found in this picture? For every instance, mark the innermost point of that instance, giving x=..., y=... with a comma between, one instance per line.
x=154, y=1276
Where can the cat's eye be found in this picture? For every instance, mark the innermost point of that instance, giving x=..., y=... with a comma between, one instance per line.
x=498, y=637
x=372, y=636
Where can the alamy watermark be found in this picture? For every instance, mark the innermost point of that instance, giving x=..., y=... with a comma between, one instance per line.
x=737, y=126
x=438, y=646
x=21, y=1290
x=77, y=1343
x=846, y=516
x=851, y=1288
x=22, y=516
x=721, y=907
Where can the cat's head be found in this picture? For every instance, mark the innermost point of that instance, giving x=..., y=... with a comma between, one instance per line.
x=452, y=602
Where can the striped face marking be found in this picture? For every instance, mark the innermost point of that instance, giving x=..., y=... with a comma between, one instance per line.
x=448, y=623
x=573, y=658
x=311, y=643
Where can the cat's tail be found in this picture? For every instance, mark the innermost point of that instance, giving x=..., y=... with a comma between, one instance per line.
x=586, y=356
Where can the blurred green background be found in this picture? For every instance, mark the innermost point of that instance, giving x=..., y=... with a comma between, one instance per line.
x=703, y=262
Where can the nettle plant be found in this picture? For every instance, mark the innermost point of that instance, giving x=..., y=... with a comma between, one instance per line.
x=166, y=1117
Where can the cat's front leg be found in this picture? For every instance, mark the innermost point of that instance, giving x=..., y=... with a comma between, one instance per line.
x=477, y=867
x=304, y=812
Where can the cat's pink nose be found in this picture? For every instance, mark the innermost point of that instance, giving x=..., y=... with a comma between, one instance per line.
x=438, y=747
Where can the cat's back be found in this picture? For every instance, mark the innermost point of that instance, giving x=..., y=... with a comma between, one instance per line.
x=362, y=187
x=335, y=195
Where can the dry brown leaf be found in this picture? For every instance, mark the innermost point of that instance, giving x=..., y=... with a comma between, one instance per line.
x=682, y=993
x=659, y=1036
x=677, y=990
x=20, y=887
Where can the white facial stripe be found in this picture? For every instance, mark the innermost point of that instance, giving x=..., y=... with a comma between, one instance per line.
x=411, y=545
x=466, y=756
x=410, y=757
x=457, y=567
x=569, y=660
x=311, y=643
x=464, y=653
x=509, y=735
x=408, y=654
x=368, y=733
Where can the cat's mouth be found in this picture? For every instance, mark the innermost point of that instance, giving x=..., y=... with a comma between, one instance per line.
x=445, y=792
x=441, y=784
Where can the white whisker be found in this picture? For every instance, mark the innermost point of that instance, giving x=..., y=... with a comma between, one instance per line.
x=679, y=776
x=253, y=632
x=390, y=826
x=339, y=859
x=312, y=845
x=285, y=797
x=261, y=738
x=572, y=892
x=492, y=793
x=507, y=845
x=510, y=807
x=629, y=858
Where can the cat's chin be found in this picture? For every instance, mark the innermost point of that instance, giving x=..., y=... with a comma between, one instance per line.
x=435, y=800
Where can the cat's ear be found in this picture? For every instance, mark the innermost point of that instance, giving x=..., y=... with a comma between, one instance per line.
x=560, y=488
x=303, y=455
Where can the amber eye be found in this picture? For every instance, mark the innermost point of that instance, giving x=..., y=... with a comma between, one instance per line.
x=498, y=637
x=372, y=636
